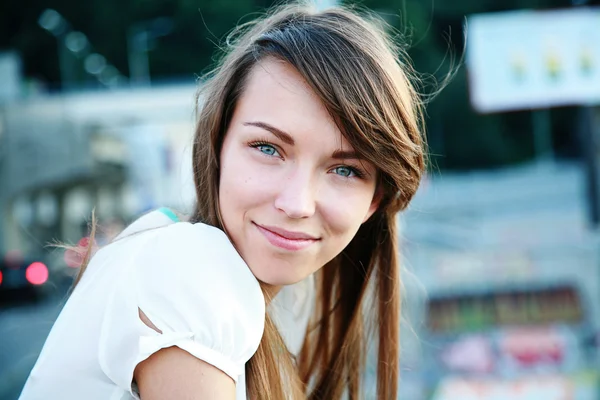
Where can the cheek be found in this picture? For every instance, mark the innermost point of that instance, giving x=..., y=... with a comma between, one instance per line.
x=344, y=212
x=243, y=183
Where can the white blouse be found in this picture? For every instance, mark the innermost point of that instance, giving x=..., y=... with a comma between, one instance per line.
x=192, y=285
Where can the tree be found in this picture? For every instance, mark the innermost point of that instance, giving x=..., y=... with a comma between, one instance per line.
x=434, y=34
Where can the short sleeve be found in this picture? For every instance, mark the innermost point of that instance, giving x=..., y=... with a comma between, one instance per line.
x=191, y=283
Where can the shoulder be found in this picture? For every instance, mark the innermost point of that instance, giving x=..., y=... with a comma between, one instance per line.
x=191, y=237
x=159, y=246
x=195, y=289
x=197, y=248
x=185, y=253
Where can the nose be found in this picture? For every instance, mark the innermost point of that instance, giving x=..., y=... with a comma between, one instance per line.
x=296, y=197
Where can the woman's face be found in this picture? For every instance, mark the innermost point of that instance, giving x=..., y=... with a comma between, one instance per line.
x=293, y=193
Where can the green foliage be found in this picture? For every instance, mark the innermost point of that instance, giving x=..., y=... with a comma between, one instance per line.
x=432, y=30
x=458, y=137
x=186, y=51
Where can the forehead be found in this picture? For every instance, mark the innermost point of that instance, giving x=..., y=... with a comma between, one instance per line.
x=276, y=93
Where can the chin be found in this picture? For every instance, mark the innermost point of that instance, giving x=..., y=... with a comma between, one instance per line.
x=279, y=275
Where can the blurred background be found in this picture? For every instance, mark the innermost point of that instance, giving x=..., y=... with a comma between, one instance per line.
x=501, y=247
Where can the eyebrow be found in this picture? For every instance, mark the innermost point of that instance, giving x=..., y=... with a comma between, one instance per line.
x=346, y=155
x=287, y=138
x=283, y=136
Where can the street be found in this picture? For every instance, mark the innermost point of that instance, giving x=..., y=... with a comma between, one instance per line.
x=24, y=325
x=464, y=231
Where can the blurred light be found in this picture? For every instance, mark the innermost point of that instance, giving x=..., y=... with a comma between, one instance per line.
x=84, y=241
x=37, y=273
x=46, y=208
x=108, y=75
x=74, y=257
x=94, y=63
x=0, y=277
x=119, y=80
x=22, y=210
x=53, y=22
x=76, y=42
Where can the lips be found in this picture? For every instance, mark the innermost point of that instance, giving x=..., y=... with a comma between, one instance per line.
x=287, y=240
x=289, y=234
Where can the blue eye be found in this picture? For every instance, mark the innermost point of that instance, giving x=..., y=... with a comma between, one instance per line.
x=346, y=172
x=267, y=149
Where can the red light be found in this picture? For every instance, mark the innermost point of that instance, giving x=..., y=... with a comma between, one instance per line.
x=74, y=257
x=0, y=277
x=37, y=273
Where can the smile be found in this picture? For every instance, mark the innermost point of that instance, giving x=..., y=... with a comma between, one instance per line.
x=292, y=241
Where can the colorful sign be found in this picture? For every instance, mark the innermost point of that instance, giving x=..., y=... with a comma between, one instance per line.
x=501, y=308
x=549, y=387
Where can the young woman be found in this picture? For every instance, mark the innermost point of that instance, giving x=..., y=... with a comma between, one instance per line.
x=307, y=146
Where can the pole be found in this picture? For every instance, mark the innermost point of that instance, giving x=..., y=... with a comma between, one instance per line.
x=591, y=154
x=137, y=48
x=65, y=60
x=5, y=178
x=542, y=135
x=3, y=225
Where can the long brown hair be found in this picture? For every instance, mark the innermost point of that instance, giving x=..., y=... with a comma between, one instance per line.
x=364, y=80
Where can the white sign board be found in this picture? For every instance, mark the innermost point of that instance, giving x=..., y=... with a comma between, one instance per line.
x=534, y=59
